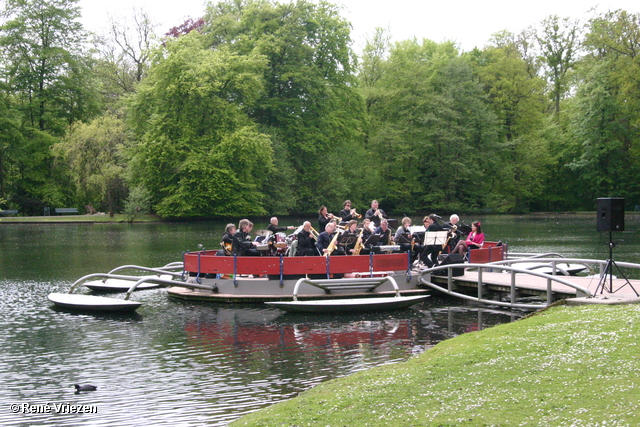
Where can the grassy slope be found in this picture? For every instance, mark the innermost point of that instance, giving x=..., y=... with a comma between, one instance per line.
x=565, y=366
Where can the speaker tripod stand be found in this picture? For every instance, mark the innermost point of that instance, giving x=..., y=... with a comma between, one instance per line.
x=608, y=271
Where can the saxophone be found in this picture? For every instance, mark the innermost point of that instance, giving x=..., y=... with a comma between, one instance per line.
x=358, y=247
x=332, y=246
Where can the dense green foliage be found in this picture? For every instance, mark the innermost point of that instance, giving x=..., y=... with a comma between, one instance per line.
x=263, y=108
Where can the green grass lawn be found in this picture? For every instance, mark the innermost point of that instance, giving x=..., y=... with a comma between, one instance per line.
x=564, y=366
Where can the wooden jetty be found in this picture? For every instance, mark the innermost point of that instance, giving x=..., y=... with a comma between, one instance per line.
x=534, y=285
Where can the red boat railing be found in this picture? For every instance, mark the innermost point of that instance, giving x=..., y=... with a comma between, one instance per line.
x=208, y=262
x=490, y=252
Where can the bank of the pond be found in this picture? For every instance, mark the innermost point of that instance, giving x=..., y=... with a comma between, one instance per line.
x=564, y=366
x=98, y=218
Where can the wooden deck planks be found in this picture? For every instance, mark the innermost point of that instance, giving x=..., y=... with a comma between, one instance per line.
x=538, y=285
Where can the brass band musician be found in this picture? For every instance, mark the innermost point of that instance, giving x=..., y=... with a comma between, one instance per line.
x=326, y=238
x=306, y=241
x=347, y=214
x=384, y=232
x=454, y=232
x=375, y=214
x=351, y=229
x=430, y=252
x=403, y=236
x=324, y=218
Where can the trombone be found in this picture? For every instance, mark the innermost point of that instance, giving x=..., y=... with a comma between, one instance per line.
x=314, y=234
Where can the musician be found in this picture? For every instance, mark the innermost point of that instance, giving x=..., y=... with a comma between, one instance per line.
x=375, y=214
x=227, y=238
x=351, y=229
x=242, y=244
x=430, y=253
x=454, y=232
x=325, y=238
x=384, y=232
x=453, y=222
x=306, y=241
x=404, y=230
x=273, y=226
x=323, y=218
x=474, y=240
x=347, y=214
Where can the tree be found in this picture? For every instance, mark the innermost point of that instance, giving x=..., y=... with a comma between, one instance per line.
x=605, y=117
x=309, y=104
x=44, y=64
x=518, y=101
x=49, y=86
x=11, y=138
x=429, y=118
x=559, y=43
x=125, y=53
x=94, y=154
x=198, y=154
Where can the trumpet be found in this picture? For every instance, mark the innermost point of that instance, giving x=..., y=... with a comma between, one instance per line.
x=337, y=219
x=378, y=213
x=355, y=214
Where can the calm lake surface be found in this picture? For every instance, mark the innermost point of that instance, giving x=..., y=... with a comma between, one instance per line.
x=175, y=363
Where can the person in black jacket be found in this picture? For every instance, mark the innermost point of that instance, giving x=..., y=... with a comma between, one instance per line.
x=347, y=214
x=430, y=252
x=325, y=238
x=227, y=239
x=306, y=241
x=242, y=244
x=375, y=214
x=273, y=226
x=324, y=218
x=384, y=232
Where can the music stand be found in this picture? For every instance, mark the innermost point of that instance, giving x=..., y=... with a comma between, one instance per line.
x=464, y=229
x=372, y=240
x=608, y=270
x=346, y=239
x=403, y=238
x=435, y=238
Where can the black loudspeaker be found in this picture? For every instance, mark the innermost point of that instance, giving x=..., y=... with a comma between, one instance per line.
x=453, y=259
x=610, y=214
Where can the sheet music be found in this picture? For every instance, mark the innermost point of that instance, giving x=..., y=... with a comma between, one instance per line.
x=435, y=237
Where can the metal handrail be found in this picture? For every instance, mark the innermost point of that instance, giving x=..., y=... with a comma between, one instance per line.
x=514, y=286
x=165, y=270
x=161, y=270
x=585, y=261
x=551, y=262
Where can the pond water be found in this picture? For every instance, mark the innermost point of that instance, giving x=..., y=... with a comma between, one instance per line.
x=180, y=363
